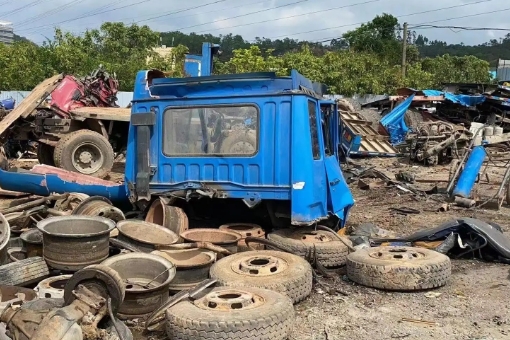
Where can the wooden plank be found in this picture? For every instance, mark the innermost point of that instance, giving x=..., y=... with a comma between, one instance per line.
x=103, y=113
x=31, y=102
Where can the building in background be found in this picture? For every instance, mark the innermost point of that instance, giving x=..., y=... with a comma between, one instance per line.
x=6, y=32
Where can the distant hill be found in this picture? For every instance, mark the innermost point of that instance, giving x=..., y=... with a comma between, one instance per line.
x=490, y=51
x=20, y=38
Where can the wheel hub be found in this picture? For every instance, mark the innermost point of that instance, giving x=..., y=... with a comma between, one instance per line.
x=314, y=237
x=85, y=157
x=397, y=254
x=259, y=266
x=230, y=299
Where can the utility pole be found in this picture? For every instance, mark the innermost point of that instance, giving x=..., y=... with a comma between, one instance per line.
x=404, y=51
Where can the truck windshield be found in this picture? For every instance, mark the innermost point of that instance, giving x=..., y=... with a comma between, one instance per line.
x=210, y=130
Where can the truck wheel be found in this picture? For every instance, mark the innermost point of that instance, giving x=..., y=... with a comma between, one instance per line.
x=86, y=152
x=45, y=154
x=232, y=313
x=329, y=250
x=281, y=272
x=399, y=268
x=243, y=142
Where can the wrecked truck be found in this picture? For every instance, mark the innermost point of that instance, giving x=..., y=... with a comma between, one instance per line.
x=77, y=123
x=268, y=144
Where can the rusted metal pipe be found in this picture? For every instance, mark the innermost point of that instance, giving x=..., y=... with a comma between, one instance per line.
x=33, y=204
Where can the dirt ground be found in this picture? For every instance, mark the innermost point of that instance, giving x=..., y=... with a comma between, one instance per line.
x=474, y=305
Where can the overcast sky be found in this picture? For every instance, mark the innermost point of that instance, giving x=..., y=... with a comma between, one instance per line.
x=313, y=20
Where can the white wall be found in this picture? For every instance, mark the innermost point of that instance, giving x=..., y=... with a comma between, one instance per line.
x=123, y=97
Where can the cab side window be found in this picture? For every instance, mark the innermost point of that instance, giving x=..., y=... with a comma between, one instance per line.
x=312, y=114
x=211, y=130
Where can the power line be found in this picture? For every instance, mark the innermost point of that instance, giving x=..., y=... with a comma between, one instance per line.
x=361, y=23
x=243, y=15
x=182, y=10
x=208, y=12
x=52, y=11
x=82, y=17
x=465, y=16
x=464, y=28
x=33, y=3
x=293, y=16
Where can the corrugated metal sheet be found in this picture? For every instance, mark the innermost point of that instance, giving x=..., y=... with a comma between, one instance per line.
x=503, y=71
x=124, y=98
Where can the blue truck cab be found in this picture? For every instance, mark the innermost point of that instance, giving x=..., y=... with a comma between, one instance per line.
x=258, y=138
x=253, y=143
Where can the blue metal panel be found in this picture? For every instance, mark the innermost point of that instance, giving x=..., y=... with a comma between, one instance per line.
x=44, y=184
x=193, y=65
x=339, y=193
x=394, y=121
x=265, y=175
x=309, y=191
x=468, y=176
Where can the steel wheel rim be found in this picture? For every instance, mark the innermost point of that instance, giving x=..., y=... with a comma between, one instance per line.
x=87, y=153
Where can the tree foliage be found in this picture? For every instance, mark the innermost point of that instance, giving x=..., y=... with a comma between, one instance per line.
x=364, y=60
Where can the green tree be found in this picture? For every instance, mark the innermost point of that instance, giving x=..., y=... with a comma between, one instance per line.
x=253, y=60
x=468, y=69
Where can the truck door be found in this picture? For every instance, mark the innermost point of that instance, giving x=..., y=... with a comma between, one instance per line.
x=339, y=199
x=309, y=188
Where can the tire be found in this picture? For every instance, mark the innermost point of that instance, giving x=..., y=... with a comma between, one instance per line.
x=382, y=268
x=63, y=155
x=242, y=142
x=330, y=252
x=24, y=272
x=273, y=319
x=292, y=277
x=45, y=154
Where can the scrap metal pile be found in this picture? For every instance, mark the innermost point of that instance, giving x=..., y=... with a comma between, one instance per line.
x=99, y=89
x=76, y=267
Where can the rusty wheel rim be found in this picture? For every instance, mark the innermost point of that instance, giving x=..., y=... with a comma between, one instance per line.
x=313, y=237
x=397, y=254
x=263, y=265
x=230, y=299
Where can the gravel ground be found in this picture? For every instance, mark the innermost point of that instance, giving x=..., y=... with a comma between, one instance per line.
x=473, y=305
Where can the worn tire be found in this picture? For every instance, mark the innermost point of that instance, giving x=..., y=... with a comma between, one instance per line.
x=45, y=154
x=273, y=320
x=419, y=268
x=295, y=280
x=330, y=251
x=64, y=151
x=239, y=142
x=24, y=272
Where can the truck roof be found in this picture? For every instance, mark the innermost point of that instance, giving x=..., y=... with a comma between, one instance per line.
x=232, y=85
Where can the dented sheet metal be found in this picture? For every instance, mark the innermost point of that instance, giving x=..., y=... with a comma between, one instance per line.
x=360, y=138
x=44, y=180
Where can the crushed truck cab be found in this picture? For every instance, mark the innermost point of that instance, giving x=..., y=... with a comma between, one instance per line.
x=270, y=142
x=254, y=137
